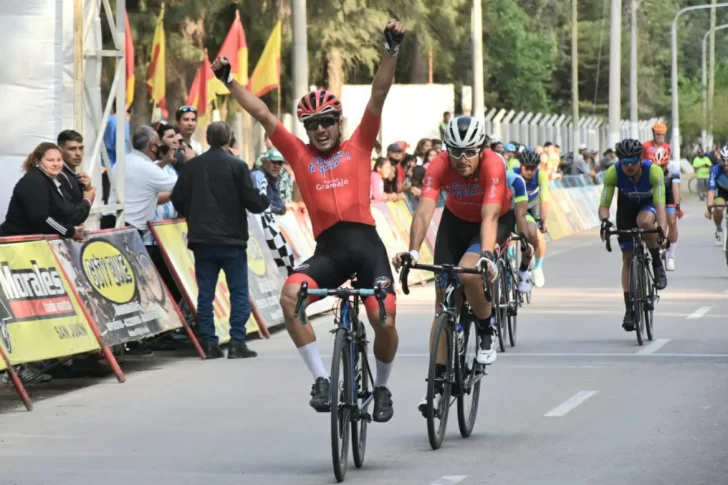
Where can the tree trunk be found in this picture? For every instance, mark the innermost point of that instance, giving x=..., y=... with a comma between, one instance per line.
x=335, y=71
x=419, y=67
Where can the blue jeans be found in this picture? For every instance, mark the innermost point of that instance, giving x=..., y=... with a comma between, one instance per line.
x=233, y=261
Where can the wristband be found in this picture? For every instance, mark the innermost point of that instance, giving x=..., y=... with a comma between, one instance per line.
x=415, y=254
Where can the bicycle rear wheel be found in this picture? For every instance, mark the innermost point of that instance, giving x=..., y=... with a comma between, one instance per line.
x=469, y=378
x=340, y=403
x=437, y=411
x=515, y=303
x=359, y=427
x=635, y=287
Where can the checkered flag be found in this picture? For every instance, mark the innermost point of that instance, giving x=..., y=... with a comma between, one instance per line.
x=282, y=251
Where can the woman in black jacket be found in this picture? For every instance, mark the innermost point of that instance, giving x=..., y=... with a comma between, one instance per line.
x=38, y=206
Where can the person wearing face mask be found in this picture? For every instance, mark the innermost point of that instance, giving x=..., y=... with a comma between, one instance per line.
x=334, y=180
x=38, y=205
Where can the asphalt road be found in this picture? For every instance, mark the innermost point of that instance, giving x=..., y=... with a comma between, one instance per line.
x=576, y=402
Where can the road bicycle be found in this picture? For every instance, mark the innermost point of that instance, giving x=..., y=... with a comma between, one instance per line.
x=725, y=227
x=351, y=376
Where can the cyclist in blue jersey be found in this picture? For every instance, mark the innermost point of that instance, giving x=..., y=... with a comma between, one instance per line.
x=640, y=203
x=519, y=206
x=537, y=186
x=718, y=193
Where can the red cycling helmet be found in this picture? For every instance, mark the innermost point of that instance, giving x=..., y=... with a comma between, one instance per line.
x=317, y=103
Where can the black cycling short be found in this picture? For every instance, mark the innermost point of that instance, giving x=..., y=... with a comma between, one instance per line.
x=342, y=250
x=669, y=196
x=627, y=212
x=455, y=236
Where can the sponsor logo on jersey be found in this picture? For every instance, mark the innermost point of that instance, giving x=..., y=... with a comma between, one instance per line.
x=332, y=184
x=465, y=190
x=323, y=165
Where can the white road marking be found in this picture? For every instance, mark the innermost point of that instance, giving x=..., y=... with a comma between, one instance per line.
x=450, y=480
x=653, y=346
x=571, y=403
x=534, y=354
x=700, y=312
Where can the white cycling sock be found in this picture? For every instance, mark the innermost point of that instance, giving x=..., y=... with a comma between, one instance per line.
x=671, y=250
x=312, y=357
x=383, y=372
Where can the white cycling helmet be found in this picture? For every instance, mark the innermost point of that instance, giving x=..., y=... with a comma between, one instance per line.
x=724, y=152
x=465, y=132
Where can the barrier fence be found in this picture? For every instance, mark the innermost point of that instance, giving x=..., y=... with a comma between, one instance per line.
x=61, y=298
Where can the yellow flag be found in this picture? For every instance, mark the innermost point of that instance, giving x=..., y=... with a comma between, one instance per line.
x=267, y=74
x=156, y=77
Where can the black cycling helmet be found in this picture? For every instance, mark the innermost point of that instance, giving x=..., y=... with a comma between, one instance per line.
x=530, y=158
x=628, y=148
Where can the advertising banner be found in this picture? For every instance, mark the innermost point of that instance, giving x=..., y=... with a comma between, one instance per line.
x=391, y=239
x=172, y=239
x=40, y=317
x=402, y=220
x=264, y=280
x=119, y=285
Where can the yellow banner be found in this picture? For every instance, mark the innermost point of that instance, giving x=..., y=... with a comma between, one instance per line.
x=172, y=237
x=403, y=221
x=40, y=316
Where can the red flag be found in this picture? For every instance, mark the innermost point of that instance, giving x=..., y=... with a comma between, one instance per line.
x=235, y=48
x=129, y=53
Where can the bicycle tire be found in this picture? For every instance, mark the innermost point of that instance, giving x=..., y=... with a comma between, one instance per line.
x=340, y=408
x=436, y=431
x=466, y=417
x=359, y=427
x=649, y=306
x=513, y=315
x=634, y=288
x=500, y=305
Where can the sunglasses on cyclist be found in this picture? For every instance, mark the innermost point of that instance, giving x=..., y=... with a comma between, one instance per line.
x=457, y=153
x=630, y=161
x=311, y=125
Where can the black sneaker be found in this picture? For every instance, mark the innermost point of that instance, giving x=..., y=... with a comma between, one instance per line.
x=660, y=277
x=383, y=410
x=320, y=395
x=213, y=351
x=628, y=322
x=240, y=351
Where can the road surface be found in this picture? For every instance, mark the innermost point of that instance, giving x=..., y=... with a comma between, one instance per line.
x=577, y=401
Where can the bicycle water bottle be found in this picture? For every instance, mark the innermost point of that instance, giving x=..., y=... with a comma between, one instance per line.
x=461, y=338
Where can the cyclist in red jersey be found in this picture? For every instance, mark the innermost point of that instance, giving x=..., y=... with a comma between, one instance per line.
x=333, y=176
x=475, y=223
x=649, y=148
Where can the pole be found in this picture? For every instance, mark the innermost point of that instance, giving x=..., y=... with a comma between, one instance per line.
x=300, y=58
x=675, y=140
x=703, y=92
x=478, y=82
x=711, y=76
x=633, y=129
x=575, y=78
x=120, y=165
x=430, y=68
x=615, y=77
x=78, y=75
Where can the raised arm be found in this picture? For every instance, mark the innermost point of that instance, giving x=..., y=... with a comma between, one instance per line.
x=383, y=79
x=247, y=100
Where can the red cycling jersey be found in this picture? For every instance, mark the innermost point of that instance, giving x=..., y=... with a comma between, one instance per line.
x=335, y=186
x=649, y=149
x=467, y=196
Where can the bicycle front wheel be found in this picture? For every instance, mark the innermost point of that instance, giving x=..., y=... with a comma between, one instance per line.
x=359, y=427
x=649, y=305
x=470, y=374
x=340, y=403
x=500, y=306
x=439, y=385
x=635, y=287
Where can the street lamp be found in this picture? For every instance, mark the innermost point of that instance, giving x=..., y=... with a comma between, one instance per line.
x=704, y=87
x=675, y=140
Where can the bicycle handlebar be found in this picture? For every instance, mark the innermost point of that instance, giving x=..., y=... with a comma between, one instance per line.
x=437, y=269
x=342, y=293
x=632, y=232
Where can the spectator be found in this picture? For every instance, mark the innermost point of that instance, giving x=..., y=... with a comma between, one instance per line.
x=429, y=157
x=110, y=144
x=446, y=117
x=404, y=172
x=607, y=160
x=187, y=123
x=422, y=147
x=498, y=147
x=73, y=183
x=377, y=151
x=268, y=182
x=581, y=167
x=38, y=205
x=550, y=159
x=213, y=192
x=381, y=178
x=702, y=165
x=395, y=154
x=436, y=145
x=268, y=146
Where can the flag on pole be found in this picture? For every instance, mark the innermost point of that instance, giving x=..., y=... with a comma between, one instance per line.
x=204, y=87
x=235, y=48
x=156, y=76
x=267, y=74
x=129, y=54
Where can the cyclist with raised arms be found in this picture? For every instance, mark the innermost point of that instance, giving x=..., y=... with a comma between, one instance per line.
x=537, y=186
x=661, y=157
x=718, y=193
x=333, y=176
x=472, y=224
x=640, y=203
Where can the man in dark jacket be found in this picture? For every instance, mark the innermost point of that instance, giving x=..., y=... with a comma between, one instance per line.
x=73, y=182
x=213, y=192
